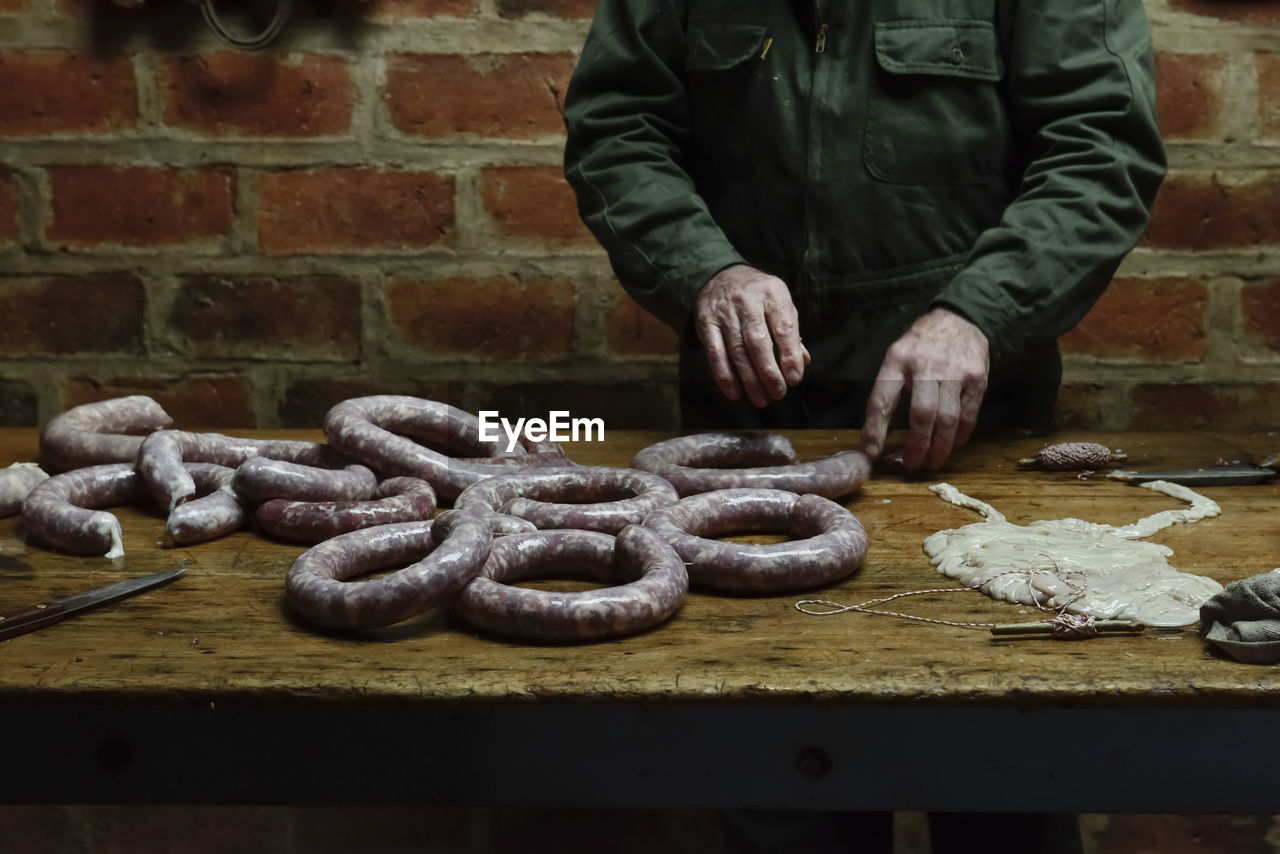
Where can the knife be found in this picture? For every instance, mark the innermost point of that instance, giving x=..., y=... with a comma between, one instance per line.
x=46, y=614
x=1232, y=474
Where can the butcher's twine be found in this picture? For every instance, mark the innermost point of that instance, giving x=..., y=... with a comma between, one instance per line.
x=1065, y=626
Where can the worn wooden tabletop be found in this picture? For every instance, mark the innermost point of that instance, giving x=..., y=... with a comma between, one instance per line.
x=222, y=630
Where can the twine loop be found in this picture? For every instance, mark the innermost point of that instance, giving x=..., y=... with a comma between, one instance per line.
x=1065, y=626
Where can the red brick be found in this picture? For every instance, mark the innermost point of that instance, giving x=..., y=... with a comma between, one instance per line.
x=52, y=93
x=1260, y=306
x=500, y=318
x=307, y=317
x=15, y=6
x=1091, y=406
x=1244, y=11
x=8, y=206
x=1152, y=319
x=507, y=96
x=139, y=205
x=69, y=314
x=1184, y=834
x=398, y=9
x=195, y=402
x=569, y=9
x=349, y=209
x=533, y=202
x=1269, y=94
x=632, y=331
x=1199, y=211
x=1197, y=407
x=1189, y=89
x=237, y=94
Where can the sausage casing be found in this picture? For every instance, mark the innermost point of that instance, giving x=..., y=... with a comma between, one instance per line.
x=650, y=584
x=831, y=544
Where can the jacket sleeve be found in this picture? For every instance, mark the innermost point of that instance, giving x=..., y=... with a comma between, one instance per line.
x=626, y=116
x=1082, y=101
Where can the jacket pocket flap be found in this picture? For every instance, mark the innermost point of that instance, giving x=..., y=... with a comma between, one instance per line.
x=721, y=42
x=952, y=48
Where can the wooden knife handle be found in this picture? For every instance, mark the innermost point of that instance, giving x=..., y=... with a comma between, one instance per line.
x=29, y=619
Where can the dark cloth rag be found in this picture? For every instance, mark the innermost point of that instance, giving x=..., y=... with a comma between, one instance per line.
x=1244, y=619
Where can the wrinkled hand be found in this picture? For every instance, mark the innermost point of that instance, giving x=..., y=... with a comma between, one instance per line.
x=740, y=316
x=942, y=362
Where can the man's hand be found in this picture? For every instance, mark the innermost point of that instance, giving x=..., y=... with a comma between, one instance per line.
x=739, y=317
x=942, y=362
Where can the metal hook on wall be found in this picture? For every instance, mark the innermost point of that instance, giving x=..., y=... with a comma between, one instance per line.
x=253, y=42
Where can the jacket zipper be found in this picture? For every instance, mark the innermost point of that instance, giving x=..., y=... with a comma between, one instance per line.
x=819, y=46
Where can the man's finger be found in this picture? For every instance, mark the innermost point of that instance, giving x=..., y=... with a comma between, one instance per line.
x=880, y=406
x=759, y=345
x=924, y=411
x=718, y=360
x=971, y=395
x=946, y=423
x=743, y=367
x=792, y=356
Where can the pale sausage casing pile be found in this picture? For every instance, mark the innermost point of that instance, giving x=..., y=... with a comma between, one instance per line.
x=366, y=497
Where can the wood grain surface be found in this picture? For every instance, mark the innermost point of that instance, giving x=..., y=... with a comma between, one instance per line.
x=223, y=631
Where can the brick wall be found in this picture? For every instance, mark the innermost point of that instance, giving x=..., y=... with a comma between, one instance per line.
x=376, y=205
x=1189, y=333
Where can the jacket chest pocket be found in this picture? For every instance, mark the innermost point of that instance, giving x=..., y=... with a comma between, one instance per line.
x=724, y=70
x=935, y=115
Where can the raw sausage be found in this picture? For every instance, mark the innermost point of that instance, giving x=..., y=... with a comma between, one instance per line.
x=706, y=461
x=261, y=479
x=319, y=589
x=397, y=499
x=216, y=512
x=500, y=524
x=15, y=482
x=161, y=455
x=651, y=584
x=59, y=513
x=391, y=434
x=831, y=543
x=94, y=433
x=588, y=498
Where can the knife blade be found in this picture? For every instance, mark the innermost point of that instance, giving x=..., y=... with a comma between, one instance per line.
x=1233, y=474
x=46, y=614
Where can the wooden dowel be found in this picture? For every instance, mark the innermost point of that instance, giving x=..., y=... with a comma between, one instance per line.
x=1044, y=627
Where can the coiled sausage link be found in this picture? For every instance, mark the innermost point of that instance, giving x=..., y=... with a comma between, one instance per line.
x=16, y=482
x=832, y=543
x=706, y=461
x=376, y=431
x=319, y=588
x=588, y=498
x=217, y=510
x=262, y=479
x=397, y=499
x=161, y=455
x=62, y=513
x=651, y=585
x=106, y=431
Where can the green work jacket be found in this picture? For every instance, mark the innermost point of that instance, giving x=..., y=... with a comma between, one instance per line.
x=996, y=157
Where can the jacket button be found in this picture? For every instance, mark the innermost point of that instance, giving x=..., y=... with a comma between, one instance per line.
x=957, y=55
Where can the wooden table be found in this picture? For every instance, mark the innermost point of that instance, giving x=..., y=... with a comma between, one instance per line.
x=208, y=691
